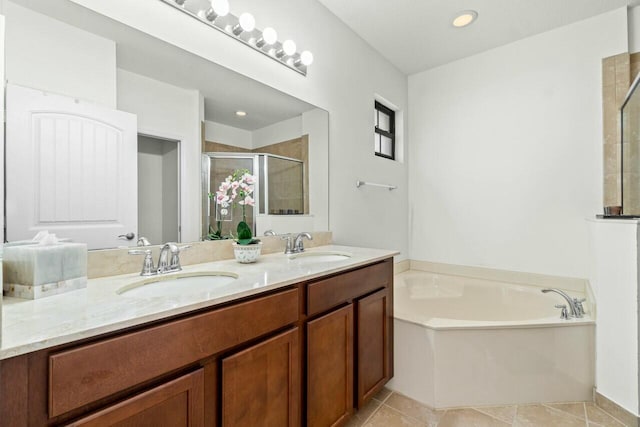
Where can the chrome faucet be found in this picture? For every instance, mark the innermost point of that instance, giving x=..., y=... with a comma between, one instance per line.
x=147, y=265
x=143, y=241
x=575, y=305
x=270, y=233
x=295, y=245
x=168, y=261
x=298, y=245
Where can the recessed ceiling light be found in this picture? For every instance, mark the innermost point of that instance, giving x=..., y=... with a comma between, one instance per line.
x=241, y=113
x=465, y=18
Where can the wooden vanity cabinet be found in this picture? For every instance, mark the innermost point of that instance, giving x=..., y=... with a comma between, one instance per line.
x=374, y=363
x=261, y=385
x=330, y=368
x=178, y=403
x=349, y=348
x=309, y=354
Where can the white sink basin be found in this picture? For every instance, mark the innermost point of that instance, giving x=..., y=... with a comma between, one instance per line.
x=320, y=257
x=172, y=285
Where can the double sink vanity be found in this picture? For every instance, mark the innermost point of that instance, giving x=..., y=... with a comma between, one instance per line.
x=291, y=340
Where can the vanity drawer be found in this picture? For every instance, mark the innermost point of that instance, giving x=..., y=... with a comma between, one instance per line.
x=91, y=372
x=328, y=293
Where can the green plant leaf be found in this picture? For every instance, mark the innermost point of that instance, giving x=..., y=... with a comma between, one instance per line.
x=245, y=236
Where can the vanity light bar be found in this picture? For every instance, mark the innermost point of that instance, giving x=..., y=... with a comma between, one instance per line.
x=243, y=30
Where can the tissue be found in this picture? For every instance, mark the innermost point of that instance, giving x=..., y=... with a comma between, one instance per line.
x=43, y=268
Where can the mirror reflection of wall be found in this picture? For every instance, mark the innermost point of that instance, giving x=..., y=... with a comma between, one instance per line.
x=287, y=198
x=158, y=189
x=59, y=47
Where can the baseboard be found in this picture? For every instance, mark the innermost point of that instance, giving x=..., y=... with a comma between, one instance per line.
x=616, y=411
x=401, y=266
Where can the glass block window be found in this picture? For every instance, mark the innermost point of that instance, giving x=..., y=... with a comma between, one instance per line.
x=384, y=137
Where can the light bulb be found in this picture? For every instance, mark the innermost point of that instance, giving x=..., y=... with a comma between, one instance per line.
x=270, y=36
x=247, y=22
x=289, y=47
x=220, y=7
x=306, y=57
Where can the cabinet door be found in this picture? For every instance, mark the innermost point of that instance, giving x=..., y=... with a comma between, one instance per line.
x=373, y=344
x=177, y=403
x=330, y=368
x=261, y=385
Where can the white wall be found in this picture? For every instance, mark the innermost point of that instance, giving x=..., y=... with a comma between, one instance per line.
x=278, y=132
x=150, y=185
x=43, y=53
x=170, y=112
x=614, y=280
x=170, y=192
x=346, y=74
x=634, y=29
x=217, y=132
x=506, y=151
x=315, y=124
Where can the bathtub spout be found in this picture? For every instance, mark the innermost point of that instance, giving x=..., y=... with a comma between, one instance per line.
x=575, y=305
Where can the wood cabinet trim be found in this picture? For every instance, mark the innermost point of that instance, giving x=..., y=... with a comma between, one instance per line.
x=319, y=394
x=192, y=384
x=367, y=359
x=328, y=293
x=85, y=374
x=236, y=379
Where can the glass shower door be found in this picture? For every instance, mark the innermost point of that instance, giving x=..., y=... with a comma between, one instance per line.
x=220, y=224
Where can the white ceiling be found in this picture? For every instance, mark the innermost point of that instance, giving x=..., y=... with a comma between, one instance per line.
x=225, y=91
x=416, y=35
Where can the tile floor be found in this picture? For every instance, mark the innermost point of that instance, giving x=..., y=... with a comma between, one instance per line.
x=390, y=409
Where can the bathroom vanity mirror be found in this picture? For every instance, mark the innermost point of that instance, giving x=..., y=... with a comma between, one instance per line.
x=107, y=128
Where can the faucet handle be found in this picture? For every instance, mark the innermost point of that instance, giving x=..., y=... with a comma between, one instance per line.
x=577, y=302
x=564, y=314
x=147, y=265
x=289, y=245
x=298, y=245
x=175, y=257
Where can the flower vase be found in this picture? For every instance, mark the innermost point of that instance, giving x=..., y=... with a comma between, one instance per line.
x=246, y=254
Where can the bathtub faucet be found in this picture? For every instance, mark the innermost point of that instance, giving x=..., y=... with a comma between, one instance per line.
x=575, y=304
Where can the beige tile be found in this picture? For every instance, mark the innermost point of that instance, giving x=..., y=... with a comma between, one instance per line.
x=611, y=154
x=388, y=417
x=615, y=410
x=621, y=92
x=382, y=394
x=608, y=71
x=469, y=418
x=600, y=417
x=361, y=417
x=622, y=59
x=575, y=409
x=611, y=190
x=503, y=413
x=414, y=409
x=540, y=415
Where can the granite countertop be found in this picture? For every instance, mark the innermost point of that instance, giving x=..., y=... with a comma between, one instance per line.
x=31, y=325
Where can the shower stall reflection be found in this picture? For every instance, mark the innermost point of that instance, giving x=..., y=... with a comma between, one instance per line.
x=280, y=190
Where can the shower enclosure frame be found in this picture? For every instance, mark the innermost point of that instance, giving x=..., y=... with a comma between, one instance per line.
x=257, y=193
